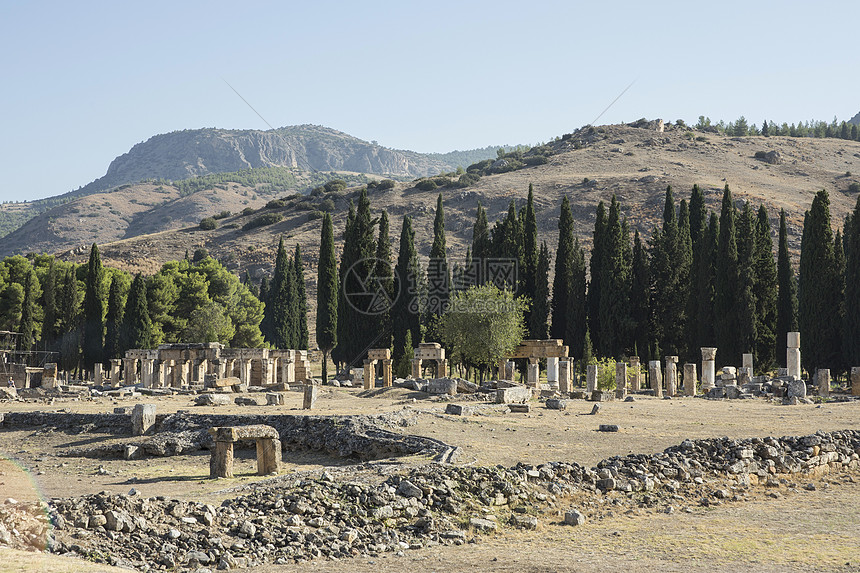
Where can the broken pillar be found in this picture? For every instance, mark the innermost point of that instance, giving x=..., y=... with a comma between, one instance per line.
x=160, y=375
x=620, y=380
x=552, y=372
x=709, y=368
x=671, y=375
x=369, y=374
x=822, y=380
x=387, y=376
x=636, y=379
x=98, y=375
x=129, y=372
x=147, y=372
x=564, y=376
x=533, y=373
x=655, y=377
x=142, y=419
x=689, y=379
x=416, y=368
x=115, y=365
x=49, y=376
x=591, y=378
x=747, y=362
x=310, y=397
x=792, y=354
x=855, y=381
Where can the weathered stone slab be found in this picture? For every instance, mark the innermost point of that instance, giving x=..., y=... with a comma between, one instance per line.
x=274, y=399
x=556, y=404
x=142, y=419
x=212, y=400
x=513, y=395
x=459, y=410
x=236, y=433
x=602, y=396
x=796, y=389
x=245, y=401
x=607, y=428
x=310, y=396
x=226, y=382
x=519, y=408
x=442, y=386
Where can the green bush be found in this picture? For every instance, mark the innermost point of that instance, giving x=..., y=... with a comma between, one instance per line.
x=262, y=220
x=208, y=224
x=385, y=184
x=327, y=206
x=313, y=215
x=854, y=187
x=222, y=215
x=468, y=179
x=605, y=373
x=276, y=204
x=426, y=185
x=335, y=186
x=248, y=211
x=535, y=160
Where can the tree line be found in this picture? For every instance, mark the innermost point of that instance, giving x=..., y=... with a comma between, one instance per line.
x=820, y=129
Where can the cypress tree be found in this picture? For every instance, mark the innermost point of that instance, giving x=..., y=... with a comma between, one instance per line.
x=27, y=326
x=291, y=298
x=726, y=300
x=340, y=351
x=51, y=312
x=480, y=243
x=745, y=328
x=360, y=249
x=385, y=282
x=266, y=323
x=538, y=318
x=438, y=278
x=640, y=298
x=577, y=302
x=278, y=305
x=114, y=320
x=686, y=291
x=563, y=280
x=70, y=343
x=406, y=311
x=529, y=273
x=670, y=262
x=615, y=321
x=301, y=302
x=137, y=325
x=698, y=222
x=786, y=304
x=765, y=291
x=327, y=287
x=705, y=287
x=818, y=289
x=93, y=333
x=594, y=287
x=840, y=264
x=851, y=328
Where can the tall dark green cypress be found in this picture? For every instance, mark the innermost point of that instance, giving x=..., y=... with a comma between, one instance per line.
x=407, y=308
x=114, y=320
x=137, y=325
x=577, y=302
x=786, y=304
x=70, y=342
x=615, y=321
x=594, y=287
x=340, y=351
x=481, y=245
x=766, y=289
x=528, y=272
x=670, y=261
x=27, y=326
x=818, y=289
x=385, y=282
x=705, y=288
x=851, y=325
x=51, y=312
x=726, y=288
x=360, y=249
x=301, y=304
x=327, y=287
x=94, y=308
x=563, y=279
x=278, y=305
x=640, y=299
x=684, y=269
x=538, y=318
x=745, y=328
x=839, y=364
x=438, y=277
x=266, y=323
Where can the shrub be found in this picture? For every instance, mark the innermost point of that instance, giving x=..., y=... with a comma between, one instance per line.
x=304, y=206
x=313, y=215
x=262, y=220
x=222, y=215
x=385, y=184
x=327, y=206
x=605, y=373
x=208, y=224
x=536, y=160
x=335, y=186
x=468, y=179
x=854, y=187
x=426, y=185
x=760, y=154
x=443, y=181
x=248, y=211
x=276, y=204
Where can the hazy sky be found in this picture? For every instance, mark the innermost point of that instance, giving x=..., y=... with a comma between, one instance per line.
x=83, y=81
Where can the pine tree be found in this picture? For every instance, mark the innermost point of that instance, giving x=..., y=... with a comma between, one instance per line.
x=406, y=311
x=851, y=325
x=786, y=304
x=70, y=343
x=563, y=280
x=51, y=312
x=301, y=305
x=438, y=277
x=114, y=320
x=726, y=288
x=640, y=298
x=93, y=333
x=766, y=288
x=538, y=317
x=27, y=327
x=327, y=287
x=386, y=284
x=594, y=287
x=137, y=325
x=615, y=326
x=818, y=289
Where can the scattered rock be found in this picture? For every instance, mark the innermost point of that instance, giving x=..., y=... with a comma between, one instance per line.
x=574, y=517
x=607, y=428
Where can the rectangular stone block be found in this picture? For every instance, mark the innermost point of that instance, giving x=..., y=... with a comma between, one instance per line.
x=225, y=382
x=459, y=410
x=620, y=380
x=442, y=386
x=142, y=419
x=564, y=376
x=275, y=399
x=556, y=404
x=602, y=396
x=310, y=397
x=513, y=395
x=793, y=340
x=519, y=408
x=690, y=379
x=823, y=381
x=591, y=378
x=655, y=376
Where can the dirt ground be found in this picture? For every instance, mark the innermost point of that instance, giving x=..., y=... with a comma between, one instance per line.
x=801, y=531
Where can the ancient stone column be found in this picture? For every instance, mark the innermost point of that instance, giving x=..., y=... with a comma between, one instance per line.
x=174, y=374
x=310, y=397
x=142, y=419
x=591, y=378
x=160, y=375
x=636, y=379
x=129, y=371
x=387, y=377
x=533, y=373
x=855, y=381
x=115, y=365
x=442, y=368
x=552, y=372
x=748, y=362
x=268, y=456
x=792, y=354
x=221, y=462
x=655, y=376
x=288, y=371
x=245, y=371
x=98, y=375
x=416, y=368
x=709, y=368
x=671, y=375
x=822, y=380
x=185, y=373
x=266, y=372
x=147, y=367
x=564, y=376
x=690, y=379
x=620, y=380
x=369, y=374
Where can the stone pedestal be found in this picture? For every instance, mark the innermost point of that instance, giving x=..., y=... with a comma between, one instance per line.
x=115, y=365
x=147, y=371
x=533, y=374
x=620, y=380
x=98, y=375
x=690, y=379
x=564, y=376
x=636, y=378
x=591, y=378
x=142, y=419
x=655, y=376
x=671, y=375
x=310, y=397
x=747, y=362
x=416, y=368
x=792, y=354
x=129, y=372
x=709, y=368
x=160, y=375
x=855, y=381
x=387, y=376
x=552, y=372
x=744, y=375
x=49, y=376
x=369, y=374
x=822, y=380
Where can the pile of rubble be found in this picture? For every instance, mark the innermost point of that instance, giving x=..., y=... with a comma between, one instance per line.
x=283, y=520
